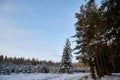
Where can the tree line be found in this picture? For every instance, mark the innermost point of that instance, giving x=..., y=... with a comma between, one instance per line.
x=98, y=36
x=22, y=60
x=10, y=65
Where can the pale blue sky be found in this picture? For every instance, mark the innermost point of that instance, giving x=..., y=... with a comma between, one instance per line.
x=37, y=28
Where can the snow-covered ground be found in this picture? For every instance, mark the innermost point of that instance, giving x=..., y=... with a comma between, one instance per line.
x=42, y=76
x=50, y=76
x=113, y=76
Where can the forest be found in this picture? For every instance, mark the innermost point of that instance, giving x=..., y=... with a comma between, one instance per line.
x=98, y=36
x=9, y=65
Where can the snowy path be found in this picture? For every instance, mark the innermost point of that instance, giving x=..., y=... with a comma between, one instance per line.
x=80, y=76
x=42, y=76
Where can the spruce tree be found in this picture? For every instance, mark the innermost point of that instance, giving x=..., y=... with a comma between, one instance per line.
x=66, y=62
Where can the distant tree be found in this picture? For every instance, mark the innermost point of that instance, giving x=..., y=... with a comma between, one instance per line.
x=5, y=59
x=49, y=63
x=66, y=63
x=45, y=69
x=14, y=60
x=33, y=61
x=1, y=57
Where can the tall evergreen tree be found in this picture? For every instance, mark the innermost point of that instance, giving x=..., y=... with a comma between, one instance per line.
x=111, y=9
x=85, y=32
x=66, y=63
x=90, y=23
x=98, y=36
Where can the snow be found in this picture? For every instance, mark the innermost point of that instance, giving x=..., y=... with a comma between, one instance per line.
x=57, y=76
x=116, y=74
x=110, y=78
x=43, y=76
x=113, y=76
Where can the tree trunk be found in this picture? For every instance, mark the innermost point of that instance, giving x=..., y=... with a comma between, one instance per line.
x=91, y=64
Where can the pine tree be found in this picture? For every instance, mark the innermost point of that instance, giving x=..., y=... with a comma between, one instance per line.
x=111, y=9
x=85, y=31
x=98, y=36
x=66, y=63
x=89, y=37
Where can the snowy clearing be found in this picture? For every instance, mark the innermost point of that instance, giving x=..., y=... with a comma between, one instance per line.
x=42, y=76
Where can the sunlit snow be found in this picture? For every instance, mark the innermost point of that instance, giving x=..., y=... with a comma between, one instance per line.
x=42, y=76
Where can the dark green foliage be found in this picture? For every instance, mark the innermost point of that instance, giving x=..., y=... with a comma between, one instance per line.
x=1, y=57
x=45, y=69
x=66, y=63
x=98, y=36
x=111, y=9
x=10, y=65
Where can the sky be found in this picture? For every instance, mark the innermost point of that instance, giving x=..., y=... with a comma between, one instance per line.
x=37, y=28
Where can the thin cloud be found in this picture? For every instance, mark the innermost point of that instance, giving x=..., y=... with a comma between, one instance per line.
x=8, y=8
x=8, y=29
